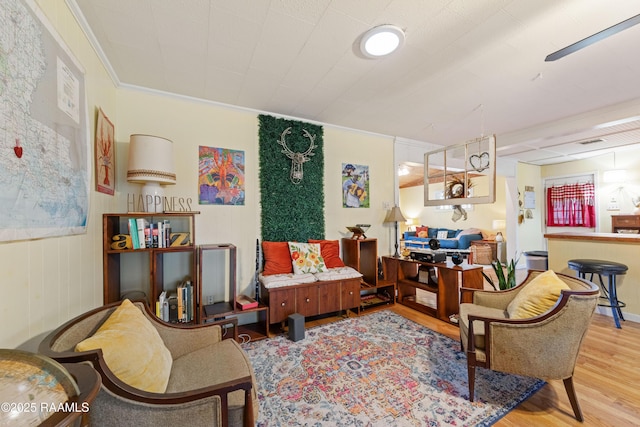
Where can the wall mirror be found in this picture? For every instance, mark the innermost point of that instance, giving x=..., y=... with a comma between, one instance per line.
x=464, y=173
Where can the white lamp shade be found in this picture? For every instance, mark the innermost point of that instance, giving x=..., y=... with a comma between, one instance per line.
x=499, y=224
x=151, y=160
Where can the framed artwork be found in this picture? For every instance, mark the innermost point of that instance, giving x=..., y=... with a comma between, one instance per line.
x=355, y=186
x=220, y=176
x=105, y=155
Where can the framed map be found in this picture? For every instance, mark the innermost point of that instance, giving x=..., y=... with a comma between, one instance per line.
x=46, y=156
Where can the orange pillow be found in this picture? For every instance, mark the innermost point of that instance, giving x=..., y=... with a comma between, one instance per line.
x=422, y=228
x=330, y=251
x=277, y=259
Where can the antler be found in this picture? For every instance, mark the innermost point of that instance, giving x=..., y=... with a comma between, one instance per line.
x=312, y=138
x=290, y=154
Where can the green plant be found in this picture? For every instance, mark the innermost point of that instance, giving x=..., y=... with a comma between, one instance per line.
x=504, y=282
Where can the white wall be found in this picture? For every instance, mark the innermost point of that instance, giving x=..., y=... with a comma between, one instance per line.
x=201, y=123
x=623, y=191
x=530, y=231
x=45, y=282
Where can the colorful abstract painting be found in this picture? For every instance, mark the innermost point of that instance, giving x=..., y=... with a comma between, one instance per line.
x=220, y=176
x=355, y=186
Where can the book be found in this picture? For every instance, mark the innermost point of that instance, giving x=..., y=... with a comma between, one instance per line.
x=189, y=300
x=161, y=232
x=133, y=232
x=167, y=233
x=180, y=295
x=173, y=308
x=164, y=306
x=148, y=236
x=141, y=223
x=154, y=234
x=244, y=302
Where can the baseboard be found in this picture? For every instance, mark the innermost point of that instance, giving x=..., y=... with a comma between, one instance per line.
x=629, y=317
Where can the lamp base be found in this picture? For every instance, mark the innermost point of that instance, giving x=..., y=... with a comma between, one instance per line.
x=153, y=196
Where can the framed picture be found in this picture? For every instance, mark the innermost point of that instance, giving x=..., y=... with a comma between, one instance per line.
x=105, y=155
x=220, y=176
x=355, y=186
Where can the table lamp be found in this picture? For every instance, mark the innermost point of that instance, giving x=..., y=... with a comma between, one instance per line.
x=499, y=224
x=151, y=164
x=395, y=216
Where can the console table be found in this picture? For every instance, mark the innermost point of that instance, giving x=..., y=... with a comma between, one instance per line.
x=439, y=282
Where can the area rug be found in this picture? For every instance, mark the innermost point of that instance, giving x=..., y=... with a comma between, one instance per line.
x=379, y=369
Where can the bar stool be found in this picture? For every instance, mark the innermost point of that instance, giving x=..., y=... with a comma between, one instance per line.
x=611, y=270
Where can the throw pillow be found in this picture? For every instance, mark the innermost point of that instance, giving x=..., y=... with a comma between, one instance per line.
x=469, y=231
x=330, y=252
x=422, y=228
x=306, y=258
x=132, y=349
x=277, y=259
x=442, y=234
x=423, y=234
x=537, y=297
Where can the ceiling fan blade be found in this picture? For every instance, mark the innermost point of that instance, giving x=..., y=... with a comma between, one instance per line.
x=593, y=38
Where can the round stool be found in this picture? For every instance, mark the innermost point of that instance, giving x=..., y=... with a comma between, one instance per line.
x=611, y=270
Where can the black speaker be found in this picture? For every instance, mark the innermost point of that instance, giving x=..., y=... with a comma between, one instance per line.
x=296, y=327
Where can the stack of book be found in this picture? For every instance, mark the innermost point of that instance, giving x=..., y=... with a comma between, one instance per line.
x=145, y=234
x=176, y=307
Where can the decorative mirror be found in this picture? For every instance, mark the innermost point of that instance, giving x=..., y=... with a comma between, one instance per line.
x=465, y=173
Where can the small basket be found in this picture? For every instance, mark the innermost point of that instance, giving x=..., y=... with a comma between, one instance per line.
x=482, y=254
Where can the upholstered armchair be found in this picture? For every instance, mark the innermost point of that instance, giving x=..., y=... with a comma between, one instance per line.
x=155, y=373
x=534, y=329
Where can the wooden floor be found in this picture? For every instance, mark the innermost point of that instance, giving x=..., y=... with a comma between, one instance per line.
x=607, y=378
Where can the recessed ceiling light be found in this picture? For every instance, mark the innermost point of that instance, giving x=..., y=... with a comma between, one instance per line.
x=381, y=40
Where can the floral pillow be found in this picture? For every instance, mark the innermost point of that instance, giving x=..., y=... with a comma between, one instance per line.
x=306, y=258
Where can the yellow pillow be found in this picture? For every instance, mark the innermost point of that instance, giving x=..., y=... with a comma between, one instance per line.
x=537, y=297
x=132, y=349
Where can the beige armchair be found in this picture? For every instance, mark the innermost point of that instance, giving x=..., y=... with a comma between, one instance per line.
x=543, y=346
x=211, y=381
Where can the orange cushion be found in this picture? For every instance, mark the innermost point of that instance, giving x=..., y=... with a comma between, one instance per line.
x=277, y=259
x=330, y=251
x=422, y=228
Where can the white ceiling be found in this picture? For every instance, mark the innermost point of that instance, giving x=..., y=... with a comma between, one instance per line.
x=468, y=68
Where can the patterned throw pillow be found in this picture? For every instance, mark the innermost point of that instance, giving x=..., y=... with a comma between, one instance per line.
x=306, y=258
x=330, y=252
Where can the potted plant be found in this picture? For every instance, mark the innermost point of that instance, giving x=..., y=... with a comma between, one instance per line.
x=504, y=282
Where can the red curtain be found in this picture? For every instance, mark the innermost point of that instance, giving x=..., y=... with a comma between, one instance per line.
x=571, y=205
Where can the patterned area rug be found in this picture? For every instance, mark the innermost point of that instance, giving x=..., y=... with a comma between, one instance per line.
x=379, y=369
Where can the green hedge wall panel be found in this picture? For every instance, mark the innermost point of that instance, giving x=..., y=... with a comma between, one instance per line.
x=290, y=212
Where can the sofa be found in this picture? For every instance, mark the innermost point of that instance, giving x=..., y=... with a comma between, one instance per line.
x=156, y=373
x=455, y=239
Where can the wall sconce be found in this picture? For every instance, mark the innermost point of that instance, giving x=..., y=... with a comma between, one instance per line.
x=151, y=164
x=395, y=216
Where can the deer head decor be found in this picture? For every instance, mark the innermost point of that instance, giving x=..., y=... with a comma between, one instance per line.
x=297, y=159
